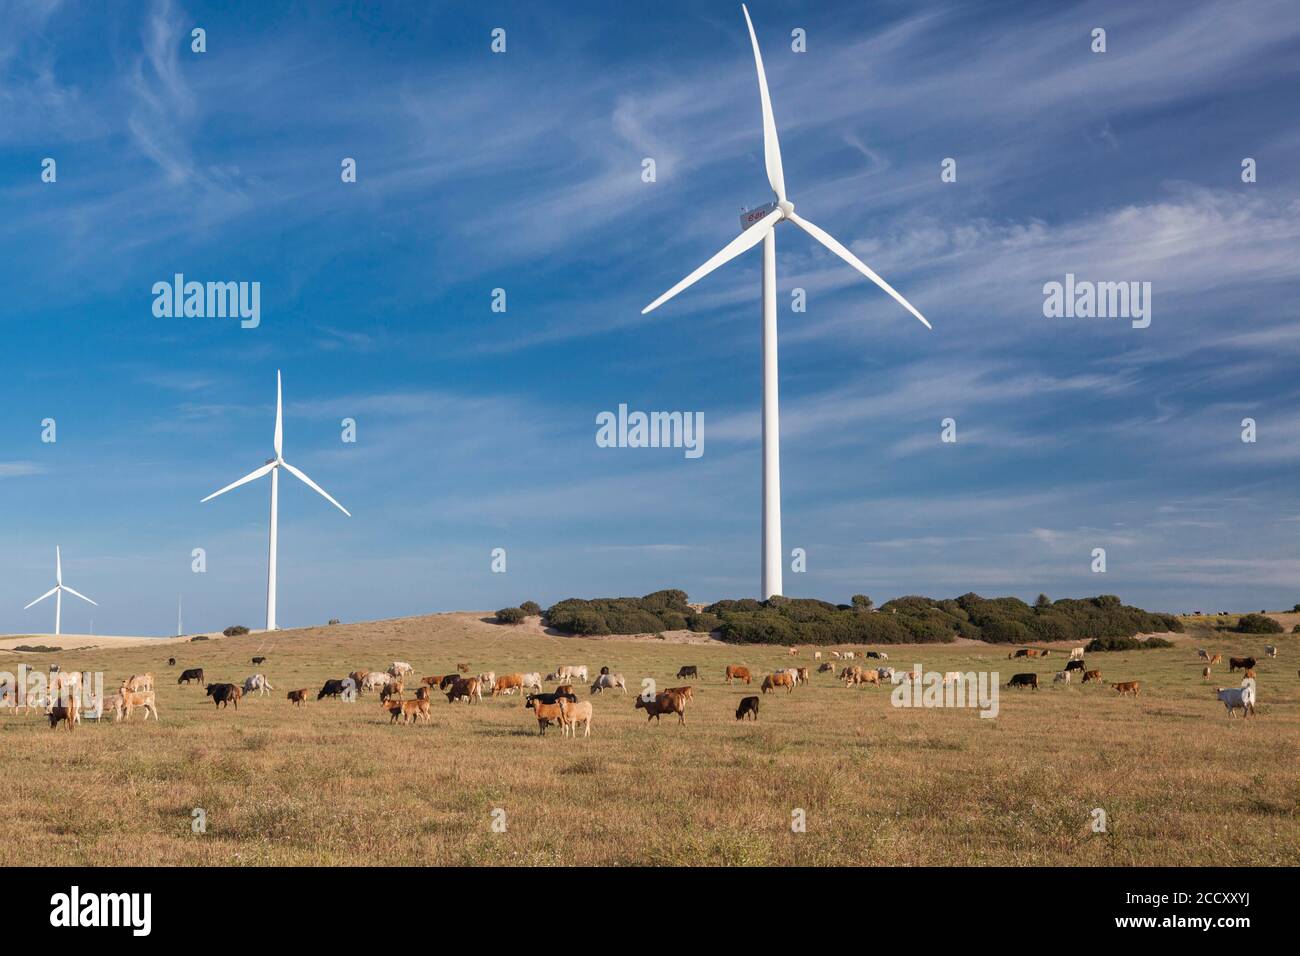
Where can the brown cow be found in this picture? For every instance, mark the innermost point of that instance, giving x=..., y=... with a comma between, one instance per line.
x=1092, y=676
x=665, y=703
x=544, y=712
x=393, y=689
x=298, y=696
x=773, y=681
x=1127, y=687
x=467, y=688
x=225, y=694
x=67, y=713
x=408, y=710
x=507, y=683
x=736, y=672
x=687, y=692
x=1216, y=659
x=1240, y=663
x=463, y=668
x=563, y=689
x=359, y=676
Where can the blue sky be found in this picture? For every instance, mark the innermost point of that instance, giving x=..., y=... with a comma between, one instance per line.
x=523, y=171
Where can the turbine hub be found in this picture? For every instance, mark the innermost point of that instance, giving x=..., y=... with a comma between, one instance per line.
x=786, y=206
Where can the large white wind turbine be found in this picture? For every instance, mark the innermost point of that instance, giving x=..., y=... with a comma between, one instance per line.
x=273, y=466
x=759, y=225
x=57, y=591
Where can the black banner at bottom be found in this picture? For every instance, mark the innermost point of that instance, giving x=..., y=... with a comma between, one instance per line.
x=144, y=905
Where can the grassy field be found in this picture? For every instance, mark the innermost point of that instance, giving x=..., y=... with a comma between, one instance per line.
x=332, y=783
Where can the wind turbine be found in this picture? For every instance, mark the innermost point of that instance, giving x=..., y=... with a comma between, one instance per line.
x=757, y=226
x=57, y=591
x=272, y=467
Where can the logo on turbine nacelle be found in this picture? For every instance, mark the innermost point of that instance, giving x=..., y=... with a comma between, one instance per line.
x=757, y=214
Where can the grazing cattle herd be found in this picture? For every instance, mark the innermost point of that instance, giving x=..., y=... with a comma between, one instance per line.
x=66, y=704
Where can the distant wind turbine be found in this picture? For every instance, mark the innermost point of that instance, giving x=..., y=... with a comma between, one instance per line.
x=759, y=225
x=272, y=467
x=57, y=591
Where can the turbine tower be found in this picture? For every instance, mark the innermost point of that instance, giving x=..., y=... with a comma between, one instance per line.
x=759, y=225
x=272, y=467
x=57, y=591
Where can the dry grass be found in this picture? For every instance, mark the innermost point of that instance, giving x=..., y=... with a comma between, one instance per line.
x=332, y=783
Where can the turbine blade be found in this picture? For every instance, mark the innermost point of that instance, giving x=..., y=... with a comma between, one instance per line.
x=833, y=244
x=78, y=594
x=279, y=417
x=43, y=596
x=251, y=476
x=746, y=240
x=315, y=487
x=771, y=147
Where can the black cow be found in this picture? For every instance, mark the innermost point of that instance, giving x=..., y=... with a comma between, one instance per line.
x=1023, y=680
x=1240, y=663
x=1074, y=666
x=224, y=694
x=259, y=660
x=549, y=698
x=688, y=670
x=748, y=707
x=448, y=681
x=171, y=662
x=193, y=674
x=332, y=688
x=605, y=670
x=875, y=654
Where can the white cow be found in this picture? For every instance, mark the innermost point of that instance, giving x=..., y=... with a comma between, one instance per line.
x=1270, y=650
x=1076, y=653
x=533, y=681
x=1234, y=697
x=817, y=655
x=837, y=655
x=849, y=655
x=375, y=680
x=1062, y=677
x=257, y=682
x=572, y=672
x=399, y=668
x=488, y=680
x=608, y=680
x=886, y=673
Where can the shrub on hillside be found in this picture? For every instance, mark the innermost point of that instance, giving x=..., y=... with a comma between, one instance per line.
x=235, y=630
x=1257, y=624
x=510, y=615
x=531, y=608
x=1125, y=644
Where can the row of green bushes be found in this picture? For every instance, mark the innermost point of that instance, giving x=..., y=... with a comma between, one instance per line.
x=905, y=620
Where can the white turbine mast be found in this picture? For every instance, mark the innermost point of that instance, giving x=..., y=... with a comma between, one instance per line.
x=759, y=225
x=57, y=591
x=272, y=467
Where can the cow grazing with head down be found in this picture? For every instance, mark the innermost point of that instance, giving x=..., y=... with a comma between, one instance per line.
x=1216, y=659
x=608, y=681
x=748, y=708
x=737, y=672
x=298, y=696
x=1127, y=687
x=193, y=674
x=1023, y=680
x=259, y=660
x=507, y=684
x=1270, y=650
x=225, y=694
x=688, y=670
x=665, y=703
x=1062, y=677
x=1075, y=665
x=1241, y=663
x=1092, y=677
x=826, y=667
x=408, y=710
x=332, y=688
x=773, y=681
x=258, y=684
x=467, y=689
